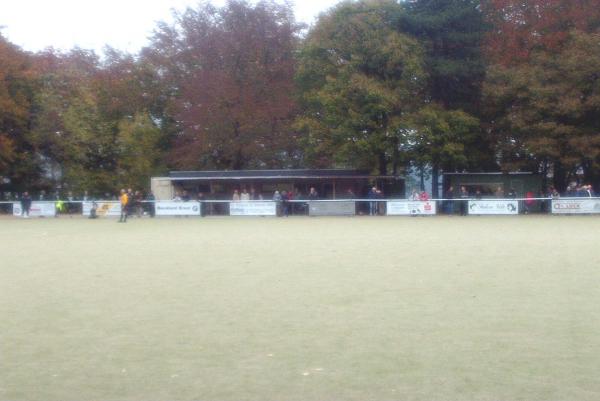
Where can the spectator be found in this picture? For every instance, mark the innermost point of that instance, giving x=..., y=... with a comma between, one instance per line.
x=478, y=194
x=285, y=205
x=151, y=204
x=94, y=211
x=349, y=194
x=372, y=195
x=414, y=195
x=139, y=203
x=449, y=202
x=236, y=196
x=512, y=194
x=313, y=194
x=42, y=195
x=380, y=205
x=70, y=202
x=25, y=205
x=587, y=191
x=245, y=196
x=277, y=199
x=297, y=207
x=185, y=196
x=124, y=199
x=571, y=190
x=464, y=203
x=424, y=196
x=529, y=202
x=200, y=198
x=130, y=202
x=499, y=193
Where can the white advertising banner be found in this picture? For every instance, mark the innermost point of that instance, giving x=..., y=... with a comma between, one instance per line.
x=411, y=208
x=38, y=209
x=177, y=208
x=110, y=209
x=252, y=208
x=493, y=207
x=575, y=206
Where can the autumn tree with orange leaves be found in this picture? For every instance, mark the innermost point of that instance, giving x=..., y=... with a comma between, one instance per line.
x=228, y=74
x=543, y=86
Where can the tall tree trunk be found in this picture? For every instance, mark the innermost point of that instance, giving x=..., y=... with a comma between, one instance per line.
x=560, y=177
x=382, y=164
x=434, y=181
x=422, y=178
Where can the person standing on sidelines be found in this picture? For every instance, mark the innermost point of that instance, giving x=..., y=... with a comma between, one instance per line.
x=25, y=205
x=372, y=195
x=151, y=204
x=124, y=199
x=464, y=202
x=449, y=202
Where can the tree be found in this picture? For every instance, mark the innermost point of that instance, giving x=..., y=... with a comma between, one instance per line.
x=441, y=139
x=17, y=79
x=228, y=74
x=140, y=155
x=88, y=116
x=452, y=32
x=520, y=27
x=545, y=110
x=360, y=81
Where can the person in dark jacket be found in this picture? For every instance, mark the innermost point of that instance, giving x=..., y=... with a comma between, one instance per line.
x=285, y=203
x=449, y=202
x=25, y=204
x=464, y=203
x=200, y=198
x=151, y=207
x=372, y=205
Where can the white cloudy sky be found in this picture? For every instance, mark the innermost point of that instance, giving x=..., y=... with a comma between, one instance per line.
x=91, y=24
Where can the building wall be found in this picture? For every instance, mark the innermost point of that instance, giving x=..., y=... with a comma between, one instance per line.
x=162, y=188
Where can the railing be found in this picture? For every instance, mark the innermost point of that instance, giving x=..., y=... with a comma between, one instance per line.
x=339, y=207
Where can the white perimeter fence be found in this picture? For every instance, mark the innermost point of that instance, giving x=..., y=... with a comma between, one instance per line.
x=341, y=207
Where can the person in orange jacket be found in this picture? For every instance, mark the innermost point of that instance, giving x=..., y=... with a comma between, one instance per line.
x=124, y=199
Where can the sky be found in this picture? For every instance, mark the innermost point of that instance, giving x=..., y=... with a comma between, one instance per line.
x=91, y=24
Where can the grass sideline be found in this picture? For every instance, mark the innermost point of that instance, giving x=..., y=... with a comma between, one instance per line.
x=487, y=308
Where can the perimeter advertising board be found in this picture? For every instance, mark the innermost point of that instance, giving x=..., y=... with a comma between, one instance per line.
x=177, y=208
x=110, y=209
x=252, y=208
x=344, y=208
x=411, y=208
x=505, y=207
x=38, y=209
x=576, y=206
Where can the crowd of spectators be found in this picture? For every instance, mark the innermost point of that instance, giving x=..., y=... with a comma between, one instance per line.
x=139, y=204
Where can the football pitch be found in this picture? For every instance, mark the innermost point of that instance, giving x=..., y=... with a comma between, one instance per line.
x=300, y=309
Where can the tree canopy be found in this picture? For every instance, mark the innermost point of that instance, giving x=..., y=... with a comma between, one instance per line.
x=382, y=85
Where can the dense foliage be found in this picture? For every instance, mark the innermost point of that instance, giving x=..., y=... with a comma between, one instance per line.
x=383, y=85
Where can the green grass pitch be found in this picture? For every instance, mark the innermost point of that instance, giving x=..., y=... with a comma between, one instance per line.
x=300, y=309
